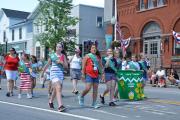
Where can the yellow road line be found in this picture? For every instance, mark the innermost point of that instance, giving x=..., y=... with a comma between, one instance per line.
x=167, y=102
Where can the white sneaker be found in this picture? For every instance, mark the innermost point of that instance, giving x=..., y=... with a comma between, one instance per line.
x=19, y=96
x=29, y=96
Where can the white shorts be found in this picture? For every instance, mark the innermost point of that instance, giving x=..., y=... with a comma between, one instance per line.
x=11, y=74
x=56, y=80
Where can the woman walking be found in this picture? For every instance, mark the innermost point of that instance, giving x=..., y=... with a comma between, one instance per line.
x=75, y=70
x=57, y=61
x=11, y=67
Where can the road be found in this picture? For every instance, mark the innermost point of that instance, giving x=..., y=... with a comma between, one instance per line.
x=161, y=104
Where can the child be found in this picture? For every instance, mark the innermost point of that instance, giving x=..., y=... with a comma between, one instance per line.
x=25, y=80
x=34, y=70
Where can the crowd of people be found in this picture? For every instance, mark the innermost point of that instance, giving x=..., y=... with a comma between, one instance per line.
x=90, y=69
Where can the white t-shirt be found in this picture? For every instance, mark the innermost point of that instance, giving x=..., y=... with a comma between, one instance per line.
x=76, y=62
x=160, y=73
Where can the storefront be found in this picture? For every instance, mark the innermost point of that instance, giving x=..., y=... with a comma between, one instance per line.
x=20, y=47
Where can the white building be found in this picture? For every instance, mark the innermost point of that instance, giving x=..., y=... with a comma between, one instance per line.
x=15, y=31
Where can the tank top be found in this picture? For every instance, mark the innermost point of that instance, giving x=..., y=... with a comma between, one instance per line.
x=76, y=62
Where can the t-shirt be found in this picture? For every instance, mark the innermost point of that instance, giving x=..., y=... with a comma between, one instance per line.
x=11, y=63
x=160, y=73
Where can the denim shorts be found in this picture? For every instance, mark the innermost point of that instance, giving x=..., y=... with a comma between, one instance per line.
x=75, y=74
x=89, y=79
x=110, y=76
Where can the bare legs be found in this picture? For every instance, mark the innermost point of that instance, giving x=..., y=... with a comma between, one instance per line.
x=57, y=92
x=10, y=86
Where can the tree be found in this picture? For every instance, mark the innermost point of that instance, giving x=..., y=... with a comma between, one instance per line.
x=54, y=17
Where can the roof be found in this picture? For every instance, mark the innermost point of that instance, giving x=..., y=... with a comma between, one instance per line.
x=16, y=13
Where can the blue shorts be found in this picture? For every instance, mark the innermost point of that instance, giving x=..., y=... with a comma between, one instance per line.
x=110, y=76
x=91, y=80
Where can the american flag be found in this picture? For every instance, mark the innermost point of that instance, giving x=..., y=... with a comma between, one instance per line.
x=124, y=45
x=176, y=37
x=124, y=42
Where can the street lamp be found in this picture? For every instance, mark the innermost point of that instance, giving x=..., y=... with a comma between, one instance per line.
x=113, y=22
x=6, y=43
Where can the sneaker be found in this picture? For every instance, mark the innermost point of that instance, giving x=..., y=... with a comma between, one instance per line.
x=51, y=106
x=76, y=92
x=62, y=95
x=102, y=99
x=43, y=86
x=29, y=96
x=61, y=108
x=96, y=106
x=8, y=94
x=11, y=94
x=81, y=100
x=112, y=104
x=19, y=96
x=115, y=99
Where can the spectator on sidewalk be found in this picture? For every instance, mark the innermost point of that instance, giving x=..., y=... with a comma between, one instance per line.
x=161, y=77
x=154, y=79
x=173, y=77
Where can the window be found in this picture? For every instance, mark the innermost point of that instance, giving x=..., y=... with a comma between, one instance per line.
x=20, y=33
x=142, y=5
x=150, y=4
x=12, y=35
x=160, y=2
x=177, y=49
x=99, y=22
x=146, y=48
x=37, y=29
x=4, y=36
x=38, y=52
x=154, y=48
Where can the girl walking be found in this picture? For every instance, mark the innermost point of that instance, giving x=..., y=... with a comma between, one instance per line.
x=91, y=67
x=110, y=70
x=57, y=61
x=25, y=80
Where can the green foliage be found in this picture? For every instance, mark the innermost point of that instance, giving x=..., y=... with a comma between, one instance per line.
x=55, y=20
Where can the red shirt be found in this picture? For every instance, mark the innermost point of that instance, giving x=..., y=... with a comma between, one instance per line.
x=11, y=63
x=89, y=69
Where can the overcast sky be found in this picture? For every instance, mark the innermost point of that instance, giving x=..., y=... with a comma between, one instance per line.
x=29, y=5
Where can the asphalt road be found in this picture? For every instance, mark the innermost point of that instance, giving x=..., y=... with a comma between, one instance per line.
x=162, y=104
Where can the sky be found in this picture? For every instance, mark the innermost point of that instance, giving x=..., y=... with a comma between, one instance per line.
x=30, y=5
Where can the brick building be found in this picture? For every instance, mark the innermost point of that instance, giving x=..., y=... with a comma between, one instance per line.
x=150, y=24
